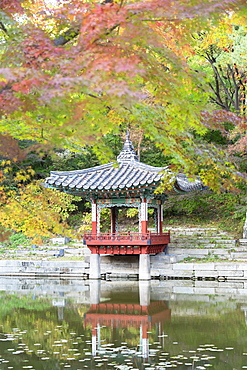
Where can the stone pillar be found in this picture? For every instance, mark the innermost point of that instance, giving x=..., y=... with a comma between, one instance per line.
x=94, y=271
x=144, y=216
x=144, y=267
x=94, y=217
x=144, y=292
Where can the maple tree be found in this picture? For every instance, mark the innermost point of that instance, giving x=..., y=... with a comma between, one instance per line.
x=223, y=49
x=73, y=71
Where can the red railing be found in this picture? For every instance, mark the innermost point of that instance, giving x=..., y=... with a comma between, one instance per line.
x=126, y=243
x=148, y=238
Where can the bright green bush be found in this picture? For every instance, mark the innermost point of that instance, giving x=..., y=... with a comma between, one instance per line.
x=17, y=239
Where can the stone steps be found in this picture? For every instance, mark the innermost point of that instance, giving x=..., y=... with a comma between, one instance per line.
x=203, y=245
x=206, y=243
x=206, y=238
x=195, y=231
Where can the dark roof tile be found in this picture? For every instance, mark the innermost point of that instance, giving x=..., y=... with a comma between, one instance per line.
x=128, y=174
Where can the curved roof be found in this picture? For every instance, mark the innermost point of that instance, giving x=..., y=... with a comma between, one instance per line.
x=126, y=177
x=182, y=184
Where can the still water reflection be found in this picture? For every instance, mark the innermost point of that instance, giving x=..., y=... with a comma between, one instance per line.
x=77, y=324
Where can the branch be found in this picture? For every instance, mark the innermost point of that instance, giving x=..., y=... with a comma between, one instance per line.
x=159, y=20
x=236, y=104
x=66, y=36
x=2, y=27
x=218, y=100
x=6, y=87
x=221, y=104
x=222, y=83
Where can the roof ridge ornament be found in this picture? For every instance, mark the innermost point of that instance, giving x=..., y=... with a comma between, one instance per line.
x=128, y=152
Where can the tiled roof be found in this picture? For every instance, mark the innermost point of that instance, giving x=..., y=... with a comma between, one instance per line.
x=128, y=174
x=107, y=177
x=182, y=184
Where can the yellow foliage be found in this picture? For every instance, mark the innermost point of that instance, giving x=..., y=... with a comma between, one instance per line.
x=36, y=211
x=86, y=224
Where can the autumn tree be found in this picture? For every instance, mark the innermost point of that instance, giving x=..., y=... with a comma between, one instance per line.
x=221, y=55
x=74, y=71
x=29, y=208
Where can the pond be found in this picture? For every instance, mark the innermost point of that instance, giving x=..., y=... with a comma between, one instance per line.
x=76, y=324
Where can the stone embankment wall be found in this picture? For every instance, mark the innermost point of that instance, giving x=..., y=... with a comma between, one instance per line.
x=206, y=243
x=112, y=268
x=44, y=268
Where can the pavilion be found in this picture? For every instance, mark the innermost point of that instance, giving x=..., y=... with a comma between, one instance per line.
x=127, y=183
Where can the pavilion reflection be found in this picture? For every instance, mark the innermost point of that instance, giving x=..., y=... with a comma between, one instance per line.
x=126, y=312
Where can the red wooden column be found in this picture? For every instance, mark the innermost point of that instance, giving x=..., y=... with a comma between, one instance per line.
x=94, y=270
x=144, y=259
x=94, y=217
x=144, y=216
x=114, y=220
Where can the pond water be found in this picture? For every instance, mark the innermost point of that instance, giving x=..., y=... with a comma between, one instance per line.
x=76, y=324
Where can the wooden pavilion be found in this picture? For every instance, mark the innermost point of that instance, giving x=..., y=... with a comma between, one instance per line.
x=127, y=183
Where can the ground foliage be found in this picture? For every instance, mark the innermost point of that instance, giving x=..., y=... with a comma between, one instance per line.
x=225, y=211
